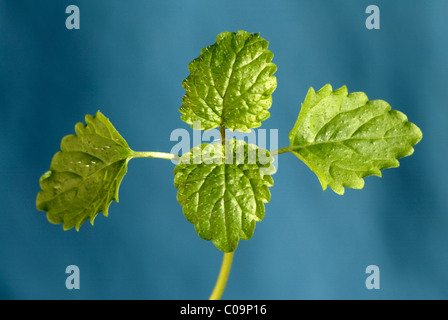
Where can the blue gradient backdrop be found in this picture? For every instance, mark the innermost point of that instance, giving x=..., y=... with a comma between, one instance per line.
x=128, y=60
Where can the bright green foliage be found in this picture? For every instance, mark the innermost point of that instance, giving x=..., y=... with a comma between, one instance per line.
x=230, y=83
x=224, y=198
x=223, y=189
x=85, y=175
x=345, y=137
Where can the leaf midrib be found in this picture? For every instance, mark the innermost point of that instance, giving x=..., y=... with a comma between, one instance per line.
x=312, y=144
x=232, y=69
x=84, y=179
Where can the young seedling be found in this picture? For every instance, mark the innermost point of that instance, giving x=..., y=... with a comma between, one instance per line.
x=223, y=186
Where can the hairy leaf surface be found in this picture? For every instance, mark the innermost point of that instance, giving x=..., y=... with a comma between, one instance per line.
x=230, y=83
x=85, y=175
x=224, y=195
x=345, y=137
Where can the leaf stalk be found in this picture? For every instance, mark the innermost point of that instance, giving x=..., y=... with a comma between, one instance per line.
x=160, y=155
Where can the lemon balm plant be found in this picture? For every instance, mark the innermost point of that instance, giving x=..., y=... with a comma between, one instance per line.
x=223, y=186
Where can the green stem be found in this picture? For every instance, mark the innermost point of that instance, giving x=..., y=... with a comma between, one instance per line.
x=160, y=155
x=280, y=151
x=228, y=256
x=223, y=276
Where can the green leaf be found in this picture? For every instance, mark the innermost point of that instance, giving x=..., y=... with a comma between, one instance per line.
x=230, y=83
x=85, y=175
x=223, y=195
x=345, y=137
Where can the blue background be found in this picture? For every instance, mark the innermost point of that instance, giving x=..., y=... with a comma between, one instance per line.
x=128, y=60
